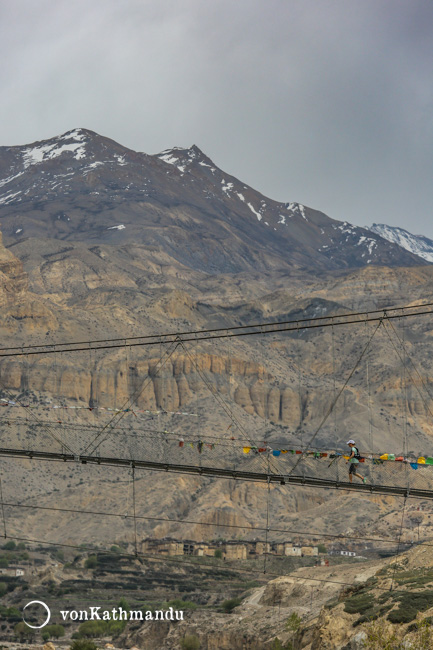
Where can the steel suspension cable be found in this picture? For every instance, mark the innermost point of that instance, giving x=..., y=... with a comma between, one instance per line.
x=340, y=392
x=119, y=416
x=227, y=332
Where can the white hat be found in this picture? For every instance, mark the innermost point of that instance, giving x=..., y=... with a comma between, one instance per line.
x=350, y=442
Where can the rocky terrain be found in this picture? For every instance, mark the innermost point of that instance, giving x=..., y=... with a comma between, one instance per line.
x=353, y=605
x=103, y=242
x=278, y=391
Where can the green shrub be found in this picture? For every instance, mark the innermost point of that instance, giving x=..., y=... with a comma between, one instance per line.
x=91, y=562
x=13, y=614
x=178, y=603
x=229, y=605
x=359, y=603
x=322, y=548
x=371, y=582
x=414, y=578
x=383, y=598
x=83, y=644
x=400, y=615
x=277, y=645
x=190, y=642
x=56, y=631
x=426, y=622
x=123, y=603
x=293, y=623
x=423, y=634
x=9, y=546
x=218, y=553
x=115, y=549
x=379, y=638
x=332, y=603
x=23, y=631
x=372, y=614
x=101, y=628
x=410, y=603
x=3, y=589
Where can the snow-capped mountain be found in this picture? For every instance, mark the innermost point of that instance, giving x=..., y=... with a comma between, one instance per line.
x=81, y=186
x=417, y=244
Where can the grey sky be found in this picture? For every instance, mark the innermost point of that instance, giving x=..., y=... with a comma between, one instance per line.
x=325, y=102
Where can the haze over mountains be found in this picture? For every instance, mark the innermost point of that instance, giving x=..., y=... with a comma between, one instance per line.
x=81, y=186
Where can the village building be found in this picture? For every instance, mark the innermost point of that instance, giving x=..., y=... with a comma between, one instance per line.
x=230, y=549
x=14, y=572
x=166, y=546
x=235, y=550
x=309, y=550
x=292, y=551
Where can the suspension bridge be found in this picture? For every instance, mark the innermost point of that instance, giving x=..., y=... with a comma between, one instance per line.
x=193, y=453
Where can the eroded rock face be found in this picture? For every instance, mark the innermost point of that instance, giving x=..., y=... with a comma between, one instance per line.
x=13, y=280
x=218, y=633
x=19, y=309
x=171, y=388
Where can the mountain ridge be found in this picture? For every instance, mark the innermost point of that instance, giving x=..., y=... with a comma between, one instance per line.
x=81, y=186
x=418, y=244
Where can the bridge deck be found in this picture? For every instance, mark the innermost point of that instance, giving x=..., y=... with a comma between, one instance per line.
x=219, y=472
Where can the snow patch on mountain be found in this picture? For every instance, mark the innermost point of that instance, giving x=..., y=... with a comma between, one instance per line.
x=35, y=155
x=258, y=215
x=5, y=181
x=169, y=158
x=417, y=244
x=203, y=164
x=185, y=157
x=9, y=197
x=75, y=134
x=297, y=208
x=347, y=227
x=227, y=187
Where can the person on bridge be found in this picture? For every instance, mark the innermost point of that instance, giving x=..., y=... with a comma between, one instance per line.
x=354, y=461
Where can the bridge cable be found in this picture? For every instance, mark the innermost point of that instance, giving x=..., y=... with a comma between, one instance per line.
x=3, y=508
x=370, y=412
x=119, y=416
x=306, y=533
x=29, y=411
x=334, y=392
x=216, y=330
x=134, y=511
x=410, y=375
x=399, y=541
x=335, y=400
x=221, y=401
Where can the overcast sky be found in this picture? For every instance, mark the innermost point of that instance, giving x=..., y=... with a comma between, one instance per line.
x=325, y=102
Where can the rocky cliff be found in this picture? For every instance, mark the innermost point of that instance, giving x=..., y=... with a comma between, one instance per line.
x=13, y=280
